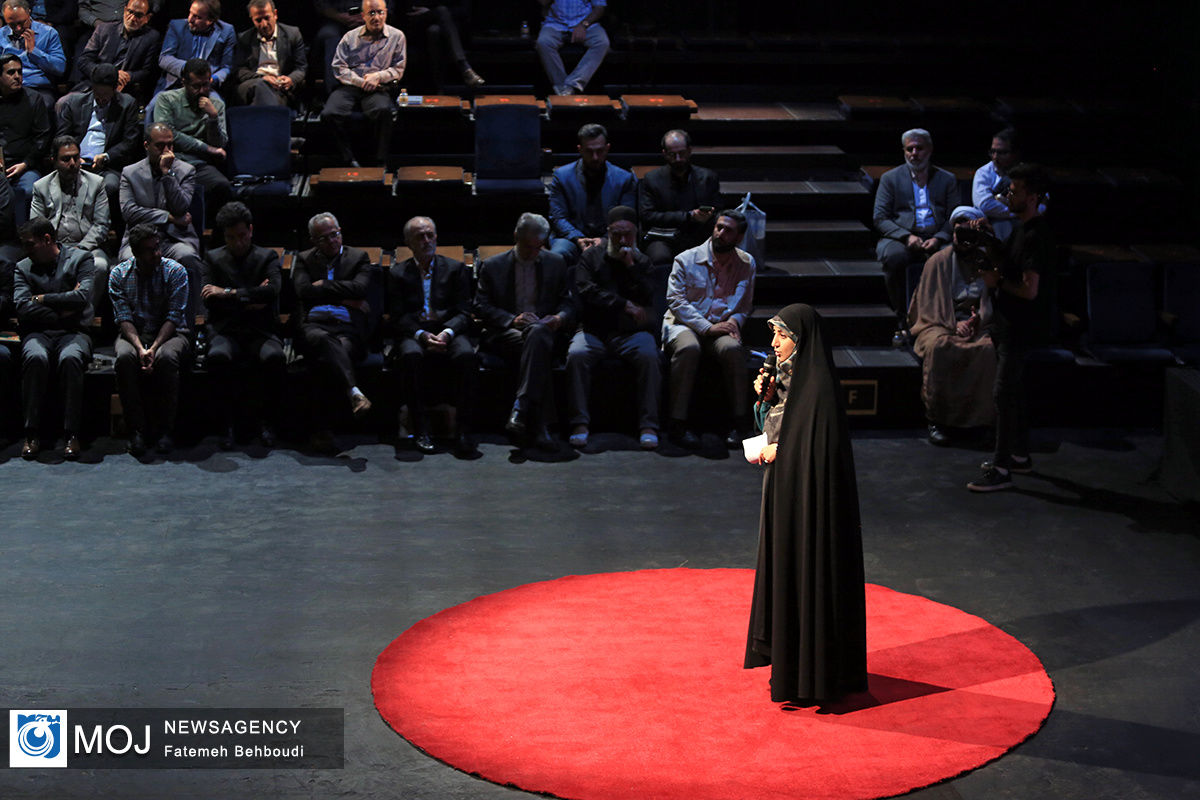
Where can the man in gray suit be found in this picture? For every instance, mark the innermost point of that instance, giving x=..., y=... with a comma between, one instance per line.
x=912, y=214
x=158, y=190
x=74, y=201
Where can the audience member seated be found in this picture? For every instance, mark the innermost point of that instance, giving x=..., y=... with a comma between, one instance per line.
x=584, y=191
x=677, y=201
x=270, y=61
x=130, y=45
x=331, y=285
x=198, y=121
x=571, y=22
x=709, y=296
x=429, y=303
x=52, y=289
x=525, y=304
x=202, y=35
x=25, y=132
x=158, y=191
x=149, y=295
x=241, y=296
x=616, y=299
x=37, y=45
x=912, y=214
x=991, y=182
x=105, y=123
x=368, y=65
x=950, y=321
x=438, y=22
x=1024, y=292
x=75, y=204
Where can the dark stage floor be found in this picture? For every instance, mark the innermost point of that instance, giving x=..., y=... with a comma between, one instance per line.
x=253, y=579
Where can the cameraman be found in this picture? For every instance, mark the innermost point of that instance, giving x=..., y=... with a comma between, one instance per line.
x=1022, y=284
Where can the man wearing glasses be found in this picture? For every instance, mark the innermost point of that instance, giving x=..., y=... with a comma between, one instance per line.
x=129, y=44
x=992, y=181
x=368, y=65
x=331, y=285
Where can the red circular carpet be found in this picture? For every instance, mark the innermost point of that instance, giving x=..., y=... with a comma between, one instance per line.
x=630, y=685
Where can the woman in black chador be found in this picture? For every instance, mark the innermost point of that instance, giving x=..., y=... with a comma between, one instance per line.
x=808, y=616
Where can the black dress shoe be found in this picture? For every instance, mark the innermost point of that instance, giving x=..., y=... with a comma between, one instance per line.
x=463, y=444
x=226, y=442
x=938, y=436
x=471, y=79
x=137, y=444
x=73, y=448
x=165, y=444
x=683, y=436
x=425, y=442
x=267, y=436
x=516, y=424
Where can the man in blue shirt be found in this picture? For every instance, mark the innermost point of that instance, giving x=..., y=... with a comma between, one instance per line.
x=571, y=21
x=38, y=47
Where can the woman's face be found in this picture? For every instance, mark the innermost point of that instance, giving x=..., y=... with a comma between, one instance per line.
x=782, y=345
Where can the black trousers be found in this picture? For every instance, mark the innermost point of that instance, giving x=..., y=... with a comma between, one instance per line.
x=1012, y=402
x=416, y=365
x=67, y=354
x=264, y=351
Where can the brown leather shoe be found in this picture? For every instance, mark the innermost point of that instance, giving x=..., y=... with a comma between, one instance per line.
x=73, y=449
x=359, y=404
x=31, y=449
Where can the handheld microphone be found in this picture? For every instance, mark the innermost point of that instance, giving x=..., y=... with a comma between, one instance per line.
x=769, y=368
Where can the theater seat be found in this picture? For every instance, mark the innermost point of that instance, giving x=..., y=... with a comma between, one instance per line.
x=260, y=155
x=1122, y=318
x=1181, y=308
x=508, y=148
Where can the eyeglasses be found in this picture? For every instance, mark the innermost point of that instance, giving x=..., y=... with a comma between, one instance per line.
x=377, y=12
x=328, y=237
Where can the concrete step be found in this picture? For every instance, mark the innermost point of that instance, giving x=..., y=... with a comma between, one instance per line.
x=821, y=280
x=845, y=324
x=837, y=238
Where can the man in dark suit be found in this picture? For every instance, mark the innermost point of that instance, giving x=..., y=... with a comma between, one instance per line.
x=25, y=131
x=582, y=192
x=129, y=44
x=912, y=214
x=241, y=293
x=524, y=300
x=52, y=289
x=270, y=60
x=118, y=142
x=429, y=302
x=676, y=202
x=331, y=285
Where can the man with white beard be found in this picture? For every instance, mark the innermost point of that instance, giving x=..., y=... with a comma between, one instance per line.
x=616, y=295
x=912, y=214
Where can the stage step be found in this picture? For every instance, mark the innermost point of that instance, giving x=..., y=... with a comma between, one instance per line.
x=845, y=324
x=821, y=280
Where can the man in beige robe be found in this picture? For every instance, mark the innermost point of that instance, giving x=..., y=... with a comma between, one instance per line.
x=949, y=318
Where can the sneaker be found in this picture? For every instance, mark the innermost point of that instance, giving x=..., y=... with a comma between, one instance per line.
x=1020, y=467
x=992, y=480
x=648, y=439
x=579, y=437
